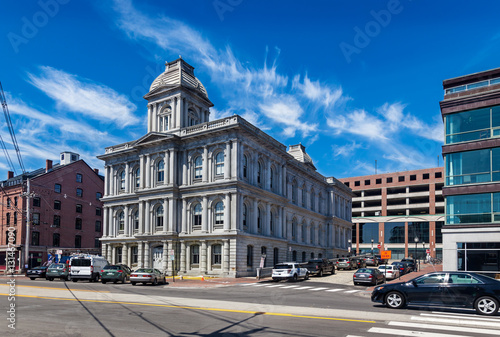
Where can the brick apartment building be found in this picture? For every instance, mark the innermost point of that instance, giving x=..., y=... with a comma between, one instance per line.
x=471, y=114
x=393, y=209
x=64, y=210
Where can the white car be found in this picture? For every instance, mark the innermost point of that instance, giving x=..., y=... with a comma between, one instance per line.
x=390, y=271
x=289, y=271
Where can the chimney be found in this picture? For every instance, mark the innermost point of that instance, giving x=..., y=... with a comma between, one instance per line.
x=96, y=171
x=48, y=165
x=10, y=175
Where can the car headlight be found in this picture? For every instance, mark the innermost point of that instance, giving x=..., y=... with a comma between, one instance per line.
x=379, y=288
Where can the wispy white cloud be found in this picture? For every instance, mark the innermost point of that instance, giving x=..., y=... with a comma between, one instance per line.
x=346, y=150
x=84, y=97
x=316, y=91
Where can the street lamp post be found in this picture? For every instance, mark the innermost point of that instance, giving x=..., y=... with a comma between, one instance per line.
x=349, y=248
x=415, y=255
x=372, y=247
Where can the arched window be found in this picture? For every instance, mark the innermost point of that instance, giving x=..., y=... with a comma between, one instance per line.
x=313, y=201
x=259, y=173
x=216, y=255
x=304, y=230
x=137, y=178
x=303, y=256
x=312, y=256
x=159, y=216
x=245, y=166
x=294, y=192
x=219, y=213
x=122, y=181
x=263, y=253
x=294, y=255
x=249, y=256
x=311, y=234
x=136, y=221
x=198, y=168
x=121, y=221
x=245, y=214
x=160, y=174
x=276, y=256
x=294, y=230
x=259, y=221
x=219, y=163
x=197, y=216
x=195, y=254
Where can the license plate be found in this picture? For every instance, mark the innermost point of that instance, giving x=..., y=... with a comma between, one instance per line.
x=109, y=273
x=362, y=275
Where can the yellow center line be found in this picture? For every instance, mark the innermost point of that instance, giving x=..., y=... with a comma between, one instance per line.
x=23, y=286
x=197, y=308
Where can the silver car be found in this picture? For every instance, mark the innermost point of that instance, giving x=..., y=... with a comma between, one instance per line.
x=147, y=275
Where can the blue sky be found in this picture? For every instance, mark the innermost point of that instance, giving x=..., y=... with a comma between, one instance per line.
x=353, y=81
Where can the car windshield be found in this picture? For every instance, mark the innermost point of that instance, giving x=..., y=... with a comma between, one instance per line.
x=112, y=267
x=364, y=270
x=144, y=271
x=385, y=267
x=80, y=263
x=40, y=267
x=56, y=266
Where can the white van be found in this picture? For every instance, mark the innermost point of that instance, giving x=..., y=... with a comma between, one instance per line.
x=86, y=267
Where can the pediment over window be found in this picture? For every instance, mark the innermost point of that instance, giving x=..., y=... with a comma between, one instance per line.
x=154, y=137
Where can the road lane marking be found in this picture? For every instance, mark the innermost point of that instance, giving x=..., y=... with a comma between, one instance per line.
x=54, y=288
x=399, y=332
x=317, y=289
x=275, y=285
x=460, y=321
x=302, y=288
x=352, y=291
x=260, y=285
x=333, y=290
x=195, y=308
x=462, y=316
x=288, y=287
x=445, y=327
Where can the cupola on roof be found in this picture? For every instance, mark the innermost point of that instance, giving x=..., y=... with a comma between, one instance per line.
x=179, y=73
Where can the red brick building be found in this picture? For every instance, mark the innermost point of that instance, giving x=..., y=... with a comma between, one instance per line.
x=63, y=206
x=393, y=209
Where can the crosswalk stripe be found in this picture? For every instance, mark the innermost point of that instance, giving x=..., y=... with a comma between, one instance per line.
x=333, y=290
x=247, y=284
x=260, y=285
x=288, y=287
x=445, y=327
x=302, y=288
x=352, y=291
x=275, y=285
x=460, y=321
x=463, y=316
x=316, y=289
x=399, y=332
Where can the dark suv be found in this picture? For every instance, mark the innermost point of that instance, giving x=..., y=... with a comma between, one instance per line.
x=411, y=263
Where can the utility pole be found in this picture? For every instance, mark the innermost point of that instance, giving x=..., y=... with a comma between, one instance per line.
x=27, y=243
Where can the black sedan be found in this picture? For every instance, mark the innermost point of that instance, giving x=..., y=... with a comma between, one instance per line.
x=368, y=275
x=36, y=272
x=444, y=289
x=404, y=268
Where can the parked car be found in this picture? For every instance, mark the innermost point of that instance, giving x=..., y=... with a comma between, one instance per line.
x=58, y=270
x=319, y=267
x=380, y=260
x=389, y=271
x=368, y=275
x=345, y=263
x=289, y=271
x=450, y=289
x=147, y=275
x=86, y=267
x=404, y=268
x=411, y=263
x=36, y=272
x=115, y=273
x=359, y=263
x=371, y=261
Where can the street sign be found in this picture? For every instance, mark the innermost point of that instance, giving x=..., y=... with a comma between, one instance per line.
x=427, y=251
x=378, y=246
x=385, y=254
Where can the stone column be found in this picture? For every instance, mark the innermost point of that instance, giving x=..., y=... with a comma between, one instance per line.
x=127, y=177
x=205, y=164
x=183, y=257
x=203, y=257
x=147, y=216
x=109, y=254
x=112, y=223
x=140, y=255
x=225, y=256
x=227, y=213
x=141, y=218
x=107, y=180
x=267, y=221
x=125, y=254
x=146, y=255
x=173, y=167
x=113, y=255
x=147, y=171
x=204, y=215
x=142, y=171
x=184, y=167
x=184, y=216
x=227, y=161
x=168, y=168
x=235, y=160
x=167, y=215
x=172, y=215
x=166, y=258
x=126, y=229
x=111, y=181
x=105, y=223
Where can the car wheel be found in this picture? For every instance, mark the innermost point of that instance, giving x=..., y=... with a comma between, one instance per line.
x=486, y=306
x=356, y=283
x=155, y=282
x=103, y=282
x=50, y=279
x=115, y=281
x=68, y=278
x=133, y=283
x=394, y=300
x=75, y=280
x=294, y=277
x=306, y=277
x=32, y=278
x=123, y=280
x=320, y=274
x=275, y=280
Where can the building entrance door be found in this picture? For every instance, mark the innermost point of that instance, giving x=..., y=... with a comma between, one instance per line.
x=158, y=258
